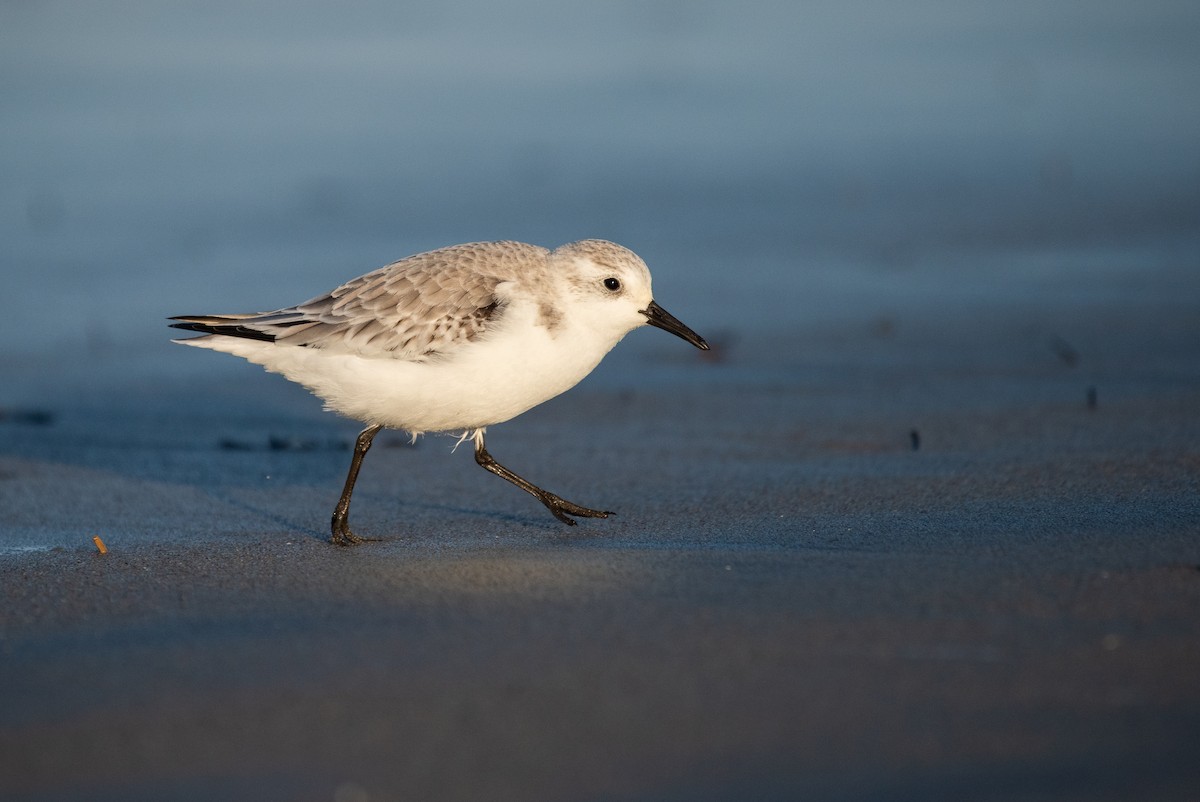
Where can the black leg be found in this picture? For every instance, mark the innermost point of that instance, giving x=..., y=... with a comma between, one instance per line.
x=342, y=536
x=560, y=507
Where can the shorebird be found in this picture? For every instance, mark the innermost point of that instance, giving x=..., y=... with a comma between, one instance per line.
x=452, y=340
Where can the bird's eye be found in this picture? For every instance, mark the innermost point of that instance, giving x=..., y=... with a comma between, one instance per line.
x=611, y=284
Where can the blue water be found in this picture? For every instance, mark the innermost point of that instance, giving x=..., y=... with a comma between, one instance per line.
x=776, y=163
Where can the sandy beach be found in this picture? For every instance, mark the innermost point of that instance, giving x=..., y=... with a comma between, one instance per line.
x=793, y=601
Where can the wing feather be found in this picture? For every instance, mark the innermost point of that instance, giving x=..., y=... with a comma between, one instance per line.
x=418, y=308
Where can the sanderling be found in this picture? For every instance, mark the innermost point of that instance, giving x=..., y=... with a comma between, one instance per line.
x=456, y=339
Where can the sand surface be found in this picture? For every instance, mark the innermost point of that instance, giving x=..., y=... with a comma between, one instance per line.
x=793, y=602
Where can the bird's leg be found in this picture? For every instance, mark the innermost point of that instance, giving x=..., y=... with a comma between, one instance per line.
x=560, y=507
x=342, y=536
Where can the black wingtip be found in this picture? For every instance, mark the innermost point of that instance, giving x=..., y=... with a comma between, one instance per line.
x=225, y=329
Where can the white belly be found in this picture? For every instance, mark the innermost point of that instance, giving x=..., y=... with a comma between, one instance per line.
x=485, y=382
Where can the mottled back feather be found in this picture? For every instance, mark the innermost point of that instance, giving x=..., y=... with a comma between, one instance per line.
x=390, y=312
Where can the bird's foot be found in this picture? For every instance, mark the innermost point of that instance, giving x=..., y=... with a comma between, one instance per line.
x=562, y=509
x=342, y=536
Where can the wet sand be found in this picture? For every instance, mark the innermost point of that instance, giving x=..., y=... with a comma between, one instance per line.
x=949, y=559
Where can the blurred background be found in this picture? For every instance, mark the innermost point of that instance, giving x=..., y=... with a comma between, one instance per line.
x=777, y=164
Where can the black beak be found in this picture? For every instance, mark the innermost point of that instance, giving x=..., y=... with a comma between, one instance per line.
x=661, y=318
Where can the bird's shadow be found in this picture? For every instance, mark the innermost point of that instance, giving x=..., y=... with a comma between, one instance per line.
x=545, y=524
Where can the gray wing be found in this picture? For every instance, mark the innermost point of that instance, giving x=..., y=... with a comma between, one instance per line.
x=423, y=306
